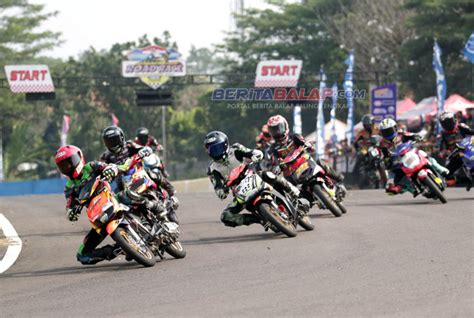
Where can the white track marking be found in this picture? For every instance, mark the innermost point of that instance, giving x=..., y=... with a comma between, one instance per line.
x=14, y=244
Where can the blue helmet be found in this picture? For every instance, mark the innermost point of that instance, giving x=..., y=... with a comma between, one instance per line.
x=216, y=144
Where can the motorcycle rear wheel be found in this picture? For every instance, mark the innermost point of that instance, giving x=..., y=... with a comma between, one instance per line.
x=327, y=200
x=285, y=226
x=126, y=241
x=435, y=189
x=176, y=250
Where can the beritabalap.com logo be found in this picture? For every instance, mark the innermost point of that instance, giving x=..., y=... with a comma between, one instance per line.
x=281, y=94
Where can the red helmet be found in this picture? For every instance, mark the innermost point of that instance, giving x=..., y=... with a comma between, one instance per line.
x=70, y=161
x=278, y=128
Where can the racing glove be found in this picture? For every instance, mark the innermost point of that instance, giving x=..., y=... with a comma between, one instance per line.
x=111, y=171
x=257, y=155
x=145, y=152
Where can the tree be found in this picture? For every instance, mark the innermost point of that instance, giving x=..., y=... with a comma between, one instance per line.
x=21, y=42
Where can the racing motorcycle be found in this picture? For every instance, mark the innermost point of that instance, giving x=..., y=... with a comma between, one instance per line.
x=416, y=166
x=161, y=232
x=106, y=214
x=466, y=148
x=317, y=187
x=260, y=198
x=375, y=157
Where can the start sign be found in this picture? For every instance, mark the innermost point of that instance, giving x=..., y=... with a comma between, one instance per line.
x=29, y=78
x=282, y=73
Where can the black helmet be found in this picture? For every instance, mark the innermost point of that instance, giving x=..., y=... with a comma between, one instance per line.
x=368, y=122
x=217, y=144
x=113, y=138
x=142, y=135
x=448, y=121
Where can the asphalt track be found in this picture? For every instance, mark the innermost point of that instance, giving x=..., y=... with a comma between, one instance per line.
x=389, y=256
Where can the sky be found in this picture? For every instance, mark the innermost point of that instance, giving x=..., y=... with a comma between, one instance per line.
x=101, y=23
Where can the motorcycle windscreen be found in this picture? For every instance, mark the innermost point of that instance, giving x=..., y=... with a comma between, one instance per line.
x=410, y=160
x=235, y=174
x=86, y=191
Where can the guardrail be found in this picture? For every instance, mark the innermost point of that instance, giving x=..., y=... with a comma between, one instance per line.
x=51, y=186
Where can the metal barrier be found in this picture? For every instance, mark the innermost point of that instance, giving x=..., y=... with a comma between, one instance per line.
x=46, y=186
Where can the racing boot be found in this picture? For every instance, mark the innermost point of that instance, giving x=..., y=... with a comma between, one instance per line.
x=439, y=168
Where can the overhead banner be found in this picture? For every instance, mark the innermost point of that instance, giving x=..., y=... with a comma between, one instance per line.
x=384, y=102
x=281, y=73
x=29, y=78
x=154, y=65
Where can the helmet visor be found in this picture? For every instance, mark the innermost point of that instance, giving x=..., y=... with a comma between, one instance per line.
x=389, y=133
x=448, y=124
x=113, y=143
x=142, y=139
x=68, y=165
x=217, y=151
x=278, y=132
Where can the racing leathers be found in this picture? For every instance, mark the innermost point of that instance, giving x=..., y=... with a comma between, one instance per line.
x=395, y=183
x=88, y=253
x=219, y=171
x=131, y=148
x=282, y=150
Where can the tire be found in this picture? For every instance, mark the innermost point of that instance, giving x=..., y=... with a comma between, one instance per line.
x=285, y=227
x=327, y=200
x=341, y=207
x=435, y=190
x=305, y=223
x=176, y=250
x=126, y=241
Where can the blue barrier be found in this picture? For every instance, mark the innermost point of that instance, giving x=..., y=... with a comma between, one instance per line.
x=45, y=186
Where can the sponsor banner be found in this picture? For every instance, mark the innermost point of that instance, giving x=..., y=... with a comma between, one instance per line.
x=441, y=85
x=348, y=87
x=29, y=78
x=384, y=102
x=281, y=73
x=154, y=65
x=320, y=145
x=297, y=122
x=65, y=129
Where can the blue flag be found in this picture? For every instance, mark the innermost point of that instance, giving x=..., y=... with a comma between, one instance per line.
x=320, y=120
x=348, y=85
x=469, y=48
x=441, y=86
x=333, y=114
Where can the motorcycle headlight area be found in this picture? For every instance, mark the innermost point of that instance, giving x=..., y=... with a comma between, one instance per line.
x=107, y=211
x=171, y=227
x=410, y=160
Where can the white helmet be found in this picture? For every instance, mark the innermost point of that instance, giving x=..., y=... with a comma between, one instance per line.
x=388, y=128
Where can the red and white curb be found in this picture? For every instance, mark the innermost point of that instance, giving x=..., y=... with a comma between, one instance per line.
x=14, y=244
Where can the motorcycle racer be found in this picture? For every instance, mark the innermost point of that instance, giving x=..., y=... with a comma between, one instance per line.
x=119, y=150
x=392, y=137
x=71, y=163
x=452, y=133
x=286, y=142
x=224, y=159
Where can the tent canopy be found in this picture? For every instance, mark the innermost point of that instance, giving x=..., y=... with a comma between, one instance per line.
x=405, y=105
x=340, y=131
x=428, y=107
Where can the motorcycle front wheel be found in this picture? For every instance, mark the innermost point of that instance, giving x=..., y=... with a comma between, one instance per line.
x=305, y=223
x=327, y=200
x=270, y=213
x=435, y=189
x=136, y=250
